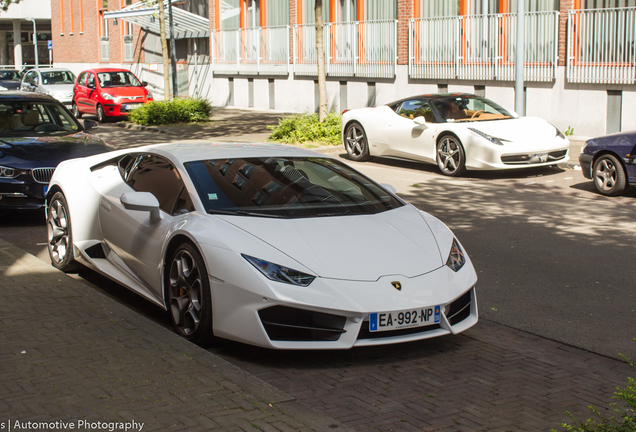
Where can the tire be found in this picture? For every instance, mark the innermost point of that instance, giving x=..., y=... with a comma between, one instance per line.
x=450, y=155
x=60, y=235
x=189, y=299
x=101, y=115
x=355, y=142
x=76, y=111
x=609, y=176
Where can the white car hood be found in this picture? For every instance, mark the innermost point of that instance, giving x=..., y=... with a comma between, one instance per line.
x=523, y=130
x=364, y=248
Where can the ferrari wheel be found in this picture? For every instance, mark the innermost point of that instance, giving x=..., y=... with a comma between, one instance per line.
x=76, y=111
x=101, y=115
x=356, y=143
x=189, y=299
x=60, y=236
x=450, y=156
x=609, y=175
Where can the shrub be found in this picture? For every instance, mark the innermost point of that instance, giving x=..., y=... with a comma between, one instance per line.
x=624, y=422
x=306, y=128
x=182, y=110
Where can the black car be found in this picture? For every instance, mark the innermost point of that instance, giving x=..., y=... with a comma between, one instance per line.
x=610, y=161
x=37, y=133
x=10, y=79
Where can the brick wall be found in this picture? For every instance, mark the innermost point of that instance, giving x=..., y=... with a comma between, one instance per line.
x=77, y=40
x=565, y=6
x=405, y=12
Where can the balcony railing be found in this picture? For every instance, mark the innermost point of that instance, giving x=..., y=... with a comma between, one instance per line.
x=602, y=46
x=259, y=50
x=483, y=47
x=352, y=49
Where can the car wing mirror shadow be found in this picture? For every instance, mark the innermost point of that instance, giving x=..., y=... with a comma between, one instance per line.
x=142, y=201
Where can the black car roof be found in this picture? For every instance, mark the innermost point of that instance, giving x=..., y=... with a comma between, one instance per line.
x=432, y=96
x=25, y=96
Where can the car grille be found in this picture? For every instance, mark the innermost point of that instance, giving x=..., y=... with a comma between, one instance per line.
x=459, y=310
x=42, y=175
x=365, y=333
x=284, y=323
x=530, y=159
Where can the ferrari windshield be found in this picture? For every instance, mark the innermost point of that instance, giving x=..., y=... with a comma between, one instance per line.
x=286, y=187
x=22, y=118
x=469, y=108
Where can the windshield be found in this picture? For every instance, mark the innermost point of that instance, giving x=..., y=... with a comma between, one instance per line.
x=58, y=77
x=286, y=187
x=469, y=108
x=9, y=75
x=117, y=79
x=20, y=118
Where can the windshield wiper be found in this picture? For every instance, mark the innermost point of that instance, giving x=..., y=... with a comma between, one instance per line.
x=242, y=213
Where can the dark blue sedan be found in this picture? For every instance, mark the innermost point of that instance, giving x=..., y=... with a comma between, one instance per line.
x=37, y=133
x=610, y=161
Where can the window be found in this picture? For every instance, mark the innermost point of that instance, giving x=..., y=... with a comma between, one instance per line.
x=416, y=108
x=154, y=174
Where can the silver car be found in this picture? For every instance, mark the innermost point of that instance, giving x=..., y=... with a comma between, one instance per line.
x=56, y=82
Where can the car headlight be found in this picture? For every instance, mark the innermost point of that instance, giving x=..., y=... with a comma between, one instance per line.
x=456, y=259
x=587, y=144
x=559, y=133
x=108, y=96
x=486, y=136
x=279, y=273
x=149, y=96
x=8, y=172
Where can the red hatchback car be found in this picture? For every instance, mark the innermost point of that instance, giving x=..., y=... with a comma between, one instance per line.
x=108, y=93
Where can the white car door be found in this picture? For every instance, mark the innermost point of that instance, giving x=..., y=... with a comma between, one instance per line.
x=138, y=241
x=408, y=138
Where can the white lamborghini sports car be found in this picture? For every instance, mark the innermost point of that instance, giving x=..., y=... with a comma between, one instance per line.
x=456, y=131
x=265, y=244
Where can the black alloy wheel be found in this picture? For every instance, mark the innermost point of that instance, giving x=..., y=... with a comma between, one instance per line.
x=60, y=235
x=189, y=299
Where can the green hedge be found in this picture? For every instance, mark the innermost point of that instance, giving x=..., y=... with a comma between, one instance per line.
x=306, y=128
x=181, y=110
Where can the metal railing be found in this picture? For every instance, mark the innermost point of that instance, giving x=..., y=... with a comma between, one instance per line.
x=258, y=50
x=357, y=48
x=104, y=49
x=601, y=46
x=483, y=47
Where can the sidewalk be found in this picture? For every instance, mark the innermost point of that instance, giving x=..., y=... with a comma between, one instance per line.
x=74, y=359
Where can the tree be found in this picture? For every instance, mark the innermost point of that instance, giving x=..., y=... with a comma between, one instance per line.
x=164, y=50
x=322, y=76
x=4, y=4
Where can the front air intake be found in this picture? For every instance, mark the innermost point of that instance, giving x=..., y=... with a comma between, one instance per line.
x=283, y=323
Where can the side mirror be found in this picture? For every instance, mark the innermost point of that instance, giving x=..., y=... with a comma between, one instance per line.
x=142, y=201
x=90, y=125
x=420, y=121
x=144, y=83
x=389, y=188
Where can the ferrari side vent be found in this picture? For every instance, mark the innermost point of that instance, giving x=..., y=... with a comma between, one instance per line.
x=284, y=323
x=459, y=310
x=96, y=251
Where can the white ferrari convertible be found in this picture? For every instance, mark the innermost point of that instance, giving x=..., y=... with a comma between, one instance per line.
x=455, y=131
x=265, y=244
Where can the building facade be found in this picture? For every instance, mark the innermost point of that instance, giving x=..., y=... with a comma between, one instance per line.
x=579, y=71
x=21, y=25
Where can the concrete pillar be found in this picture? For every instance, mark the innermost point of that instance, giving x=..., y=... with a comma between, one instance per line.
x=4, y=58
x=17, y=44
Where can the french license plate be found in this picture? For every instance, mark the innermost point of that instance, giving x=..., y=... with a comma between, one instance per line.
x=382, y=321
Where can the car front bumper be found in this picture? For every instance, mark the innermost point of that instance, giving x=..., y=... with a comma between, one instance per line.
x=586, y=165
